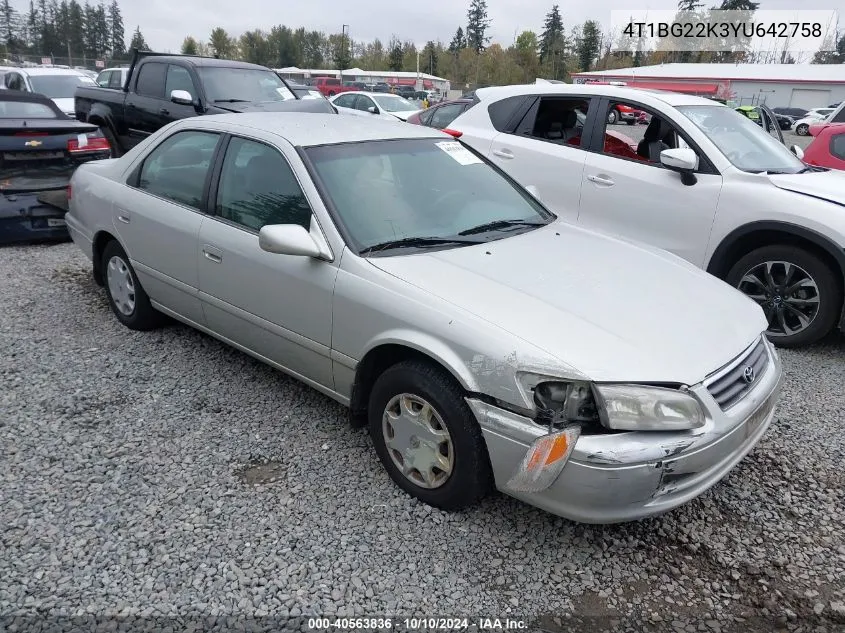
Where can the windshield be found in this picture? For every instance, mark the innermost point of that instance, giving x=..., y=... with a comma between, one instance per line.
x=384, y=191
x=742, y=141
x=394, y=103
x=59, y=86
x=242, y=84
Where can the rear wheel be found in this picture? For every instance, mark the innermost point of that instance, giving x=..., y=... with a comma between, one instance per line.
x=427, y=437
x=802, y=130
x=127, y=298
x=799, y=293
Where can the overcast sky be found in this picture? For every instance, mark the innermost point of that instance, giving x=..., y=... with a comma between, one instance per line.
x=165, y=23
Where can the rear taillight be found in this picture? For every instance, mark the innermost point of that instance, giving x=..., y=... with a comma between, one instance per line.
x=69, y=192
x=454, y=133
x=84, y=144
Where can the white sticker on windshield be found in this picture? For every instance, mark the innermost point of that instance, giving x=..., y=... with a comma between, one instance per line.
x=460, y=153
x=82, y=140
x=284, y=92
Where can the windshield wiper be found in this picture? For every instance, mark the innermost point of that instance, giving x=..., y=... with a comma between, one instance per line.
x=231, y=101
x=415, y=242
x=499, y=224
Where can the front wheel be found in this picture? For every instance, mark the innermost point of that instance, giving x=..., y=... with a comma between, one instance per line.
x=800, y=294
x=612, y=117
x=802, y=130
x=426, y=436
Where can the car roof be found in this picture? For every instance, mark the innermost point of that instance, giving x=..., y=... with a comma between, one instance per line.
x=369, y=93
x=306, y=129
x=619, y=92
x=50, y=71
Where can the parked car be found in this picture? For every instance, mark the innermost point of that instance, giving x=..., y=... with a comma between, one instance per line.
x=40, y=147
x=408, y=92
x=435, y=320
x=439, y=116
x=705, y=183
x=802, y=126
x=827, y=149
x=795, y=113
x=385, y=106
x=838, y=115
x=355, y=85
x=59, y=84
x=381, y=87
x=305, y=92
x=330, y=86
x=164, y=88
x=114, y=78
x=624, y=114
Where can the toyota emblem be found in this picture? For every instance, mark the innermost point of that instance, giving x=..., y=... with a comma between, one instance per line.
x=748, y=374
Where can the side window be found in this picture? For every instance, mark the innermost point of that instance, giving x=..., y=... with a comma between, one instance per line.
x=116, y=80
x=444, y=115
x=501, y=112
x=659, y=134
x=363, y=103
x=104, y=78
x=345, y=101
x=258, y=187
x=837, y=145
x=151, y=80
x=839, y=117
x=178, y=78
x=177, y=169
x=425, y=115
x=15, y=82
x=557, y=120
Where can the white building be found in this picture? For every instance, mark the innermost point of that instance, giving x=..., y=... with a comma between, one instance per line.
x=393, y=78
x=777, y=85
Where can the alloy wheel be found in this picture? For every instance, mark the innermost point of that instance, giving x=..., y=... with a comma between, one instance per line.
x=787, y=293
x=121, y=285
x=418, y=441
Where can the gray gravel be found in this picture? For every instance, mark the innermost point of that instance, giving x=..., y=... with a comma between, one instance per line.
x=162, y=474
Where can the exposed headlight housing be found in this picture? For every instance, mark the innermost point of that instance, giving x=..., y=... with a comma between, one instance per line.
x=643, y=408
x=560, y=403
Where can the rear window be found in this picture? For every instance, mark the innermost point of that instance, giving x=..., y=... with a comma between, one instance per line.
x=25, y=110
x=837, y=146
x=151, y=80
x=501, y=112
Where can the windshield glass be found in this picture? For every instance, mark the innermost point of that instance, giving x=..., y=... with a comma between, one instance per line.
x=242, y=84
x=59, y=86
x=742, y=141
x=394, y=103
x=25, y=110
x=420, y=188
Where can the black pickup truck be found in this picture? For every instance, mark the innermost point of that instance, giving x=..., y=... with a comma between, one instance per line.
x=162, y=88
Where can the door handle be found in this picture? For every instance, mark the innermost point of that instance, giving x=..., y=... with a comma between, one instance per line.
x=164, y=111
x=503, y=153
x=130, y=105
x=123, y=216
x=212, y=254
x=601, y=180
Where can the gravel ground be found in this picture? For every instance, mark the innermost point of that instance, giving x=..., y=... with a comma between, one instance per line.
x=163, y=474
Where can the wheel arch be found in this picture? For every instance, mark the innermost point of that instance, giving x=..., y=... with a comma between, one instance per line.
x=387, y=353
x=101, y=238
x=766, y=233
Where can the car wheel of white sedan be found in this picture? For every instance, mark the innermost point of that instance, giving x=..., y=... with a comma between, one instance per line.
x=427, y=437
x=802, y=130
x=798, y=292
x=127, y=298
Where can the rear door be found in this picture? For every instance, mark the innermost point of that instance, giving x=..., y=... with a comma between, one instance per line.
x=145, y=101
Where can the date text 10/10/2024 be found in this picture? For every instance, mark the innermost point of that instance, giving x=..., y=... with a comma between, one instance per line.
x=416, y=624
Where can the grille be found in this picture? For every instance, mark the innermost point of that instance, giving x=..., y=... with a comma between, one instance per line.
x=730, y=385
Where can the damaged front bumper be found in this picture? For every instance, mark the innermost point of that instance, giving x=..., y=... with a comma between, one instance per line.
x=612, y=478
x=24, y=217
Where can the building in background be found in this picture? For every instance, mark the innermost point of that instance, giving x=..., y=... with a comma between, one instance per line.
x=390, y=77
x=777, y=85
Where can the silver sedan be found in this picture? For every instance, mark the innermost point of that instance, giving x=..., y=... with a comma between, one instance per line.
x=482, y=340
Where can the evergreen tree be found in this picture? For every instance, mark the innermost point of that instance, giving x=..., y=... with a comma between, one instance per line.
x=10, y=26
x=428, y=58
x=689, y=5
x=551, y=39
x=221, y=44
x=117, y=35
x=189, y=46
x=587, y=47
x=477, y=25
x=138, y=41
x=395, y=58
x=458, y=42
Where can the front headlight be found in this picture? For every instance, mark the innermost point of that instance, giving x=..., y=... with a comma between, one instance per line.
x=642, y=408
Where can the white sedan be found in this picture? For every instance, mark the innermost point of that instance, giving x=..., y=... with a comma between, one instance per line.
x=705, y=183
x=58, y=84
x=802, y=126
x=483, y=341
x=374, y=104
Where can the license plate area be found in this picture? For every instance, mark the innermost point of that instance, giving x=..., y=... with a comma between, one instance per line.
x=56, y=222
x=761, y=414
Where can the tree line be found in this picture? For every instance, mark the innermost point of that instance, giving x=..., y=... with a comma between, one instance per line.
x=87, y=32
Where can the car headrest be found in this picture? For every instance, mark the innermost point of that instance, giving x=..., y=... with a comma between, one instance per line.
x=570, y=119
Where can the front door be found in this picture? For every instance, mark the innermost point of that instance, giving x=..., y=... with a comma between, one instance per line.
x=277, y=306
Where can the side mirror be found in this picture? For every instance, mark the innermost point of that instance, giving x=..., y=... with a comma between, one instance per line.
x=797, y=151
x=682, y=160
x=372, y=110
x=287, y=239
x=533, y=191
x=182, y=97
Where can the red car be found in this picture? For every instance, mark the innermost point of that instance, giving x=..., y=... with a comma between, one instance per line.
x=329, y=86
x=623, y=113
x=439, y=116
x=828, y=146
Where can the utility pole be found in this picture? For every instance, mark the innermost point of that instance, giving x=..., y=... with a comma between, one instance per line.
x=419, y=82
x=343, y=50
x=69, y=60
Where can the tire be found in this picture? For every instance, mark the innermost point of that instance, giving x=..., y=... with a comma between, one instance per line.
x=115, y=147
x=142, y=316
x=471, y=477
x=612, y=117
x=331, y=93
x=802, y=130
x=820, y=304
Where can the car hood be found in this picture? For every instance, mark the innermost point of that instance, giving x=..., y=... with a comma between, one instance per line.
x=290, y=105
x=65, y=105
x=403, y=116
x=613, y=310
x=825, y=185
